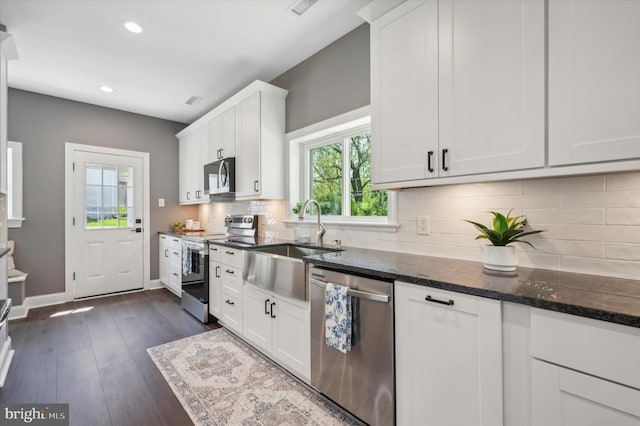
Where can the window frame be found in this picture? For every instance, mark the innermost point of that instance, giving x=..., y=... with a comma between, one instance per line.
x=333, y=130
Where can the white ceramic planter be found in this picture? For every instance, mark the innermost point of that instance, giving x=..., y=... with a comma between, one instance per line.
x=500, y=258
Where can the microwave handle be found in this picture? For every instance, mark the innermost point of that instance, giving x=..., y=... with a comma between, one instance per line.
x=225, y=176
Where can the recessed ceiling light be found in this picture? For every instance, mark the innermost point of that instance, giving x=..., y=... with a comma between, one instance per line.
x=106, y=89
x=134, y=27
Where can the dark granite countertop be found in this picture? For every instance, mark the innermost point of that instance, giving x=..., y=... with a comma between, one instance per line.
x=610, y=299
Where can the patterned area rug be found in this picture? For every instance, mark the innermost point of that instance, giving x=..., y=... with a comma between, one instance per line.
x=220, y=380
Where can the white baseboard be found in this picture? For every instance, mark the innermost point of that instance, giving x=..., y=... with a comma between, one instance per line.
x=155, y=285
x=21, y=311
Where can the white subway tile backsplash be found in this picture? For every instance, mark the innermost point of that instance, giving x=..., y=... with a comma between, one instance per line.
x=622, y=251
x=564, y=185
x=591, y=223
x=539, y=217
x=622, y=216
x=608, y=267
x=623, y=181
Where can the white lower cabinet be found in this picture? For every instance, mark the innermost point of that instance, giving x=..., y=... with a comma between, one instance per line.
x=448, y=358
x=215, y=280
x=231, y=288
x=584, y=371
x=564, y=397
x=279, y=328
x=170, y=263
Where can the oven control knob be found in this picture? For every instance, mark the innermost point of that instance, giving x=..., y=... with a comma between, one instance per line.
x=248, y=219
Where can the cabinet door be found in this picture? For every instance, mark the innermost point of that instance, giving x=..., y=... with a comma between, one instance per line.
x=257, y=318
x=563, y=397
x=3, y=123
x=215, y=288
x=201, y=157
x=222, y=135
x=404, y=92
x=492, y=74
x=448, y=358
x=248, y=174
x=292, y=337
x=163, y=260
x=594, y=95
x=184, y=177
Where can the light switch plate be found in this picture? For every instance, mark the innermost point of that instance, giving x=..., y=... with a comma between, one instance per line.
x=422, y=225
x=160, y=202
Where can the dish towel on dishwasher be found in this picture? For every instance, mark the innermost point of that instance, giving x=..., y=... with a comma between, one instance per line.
x=186, y=260
x=337, y=317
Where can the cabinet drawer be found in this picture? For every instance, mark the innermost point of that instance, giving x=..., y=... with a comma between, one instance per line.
x=171, y=241
x=231, y=257
x=175, y=280
x=231, y=280
x=442, y=298
x=600, y=348
x=214, y=252
x=175, y=259
x=231, y=313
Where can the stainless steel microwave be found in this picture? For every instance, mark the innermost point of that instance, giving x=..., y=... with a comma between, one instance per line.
x=220, y=178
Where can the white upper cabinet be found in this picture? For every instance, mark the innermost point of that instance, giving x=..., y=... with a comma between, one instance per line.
x=260, y=142
x=222, y=135
x=594, y=94
x=491, y=85
x=193, y=155
x=404, y=92
x=249, y=126
x=457, y=88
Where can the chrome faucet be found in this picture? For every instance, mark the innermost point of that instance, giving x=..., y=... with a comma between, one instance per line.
x=321, y=228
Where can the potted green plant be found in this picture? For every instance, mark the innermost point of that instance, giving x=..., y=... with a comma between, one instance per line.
x=177, y=225
x=500, y=256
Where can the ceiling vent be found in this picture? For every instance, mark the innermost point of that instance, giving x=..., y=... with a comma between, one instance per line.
x=193, y=100
x=301, y=6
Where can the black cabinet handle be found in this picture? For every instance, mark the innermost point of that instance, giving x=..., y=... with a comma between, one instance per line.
x=176, y=275
x=230, y=252
x=429, y=165
x=442, y=302
x=198, y=194
x=217, y=269
x=271, y=313
x=266, y=310
x=228, y=271
x=188, y=195
x=166, y=252
x=444, y=159
x=230, y=302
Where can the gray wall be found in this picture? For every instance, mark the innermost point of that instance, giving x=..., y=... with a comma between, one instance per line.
x=43, y=124
x=333, y=81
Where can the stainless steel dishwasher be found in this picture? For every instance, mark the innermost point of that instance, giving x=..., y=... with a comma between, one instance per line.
x=362, y=380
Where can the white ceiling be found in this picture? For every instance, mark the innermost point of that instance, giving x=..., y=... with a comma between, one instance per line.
x=208, y=48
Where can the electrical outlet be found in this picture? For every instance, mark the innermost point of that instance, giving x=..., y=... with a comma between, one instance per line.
x=423, y=225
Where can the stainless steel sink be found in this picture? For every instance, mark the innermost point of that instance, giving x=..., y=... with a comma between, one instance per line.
x=280, y=269
x=295, y=251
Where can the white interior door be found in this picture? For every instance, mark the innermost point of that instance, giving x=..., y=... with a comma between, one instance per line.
x=107, y=216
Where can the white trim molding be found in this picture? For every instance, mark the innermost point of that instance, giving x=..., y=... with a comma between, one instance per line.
x=69, y=149
x=21, y=311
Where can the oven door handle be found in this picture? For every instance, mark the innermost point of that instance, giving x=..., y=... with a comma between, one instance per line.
x=375, y=297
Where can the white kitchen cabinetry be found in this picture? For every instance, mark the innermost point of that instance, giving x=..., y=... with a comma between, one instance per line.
x=594, y=95
x=193, y=155
x=215, y=280
x=231, y=288
x=448, y=358
x=222, y=135
x=457, y=88
x=260, y=146
x=584, y=371
x=280, y=328
x=170, y=263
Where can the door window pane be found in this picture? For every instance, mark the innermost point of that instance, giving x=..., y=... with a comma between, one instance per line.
x=364, y=201
x=326, y=178
x=109, y=197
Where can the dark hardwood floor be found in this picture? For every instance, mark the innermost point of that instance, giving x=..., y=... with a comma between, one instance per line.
x=95, y=359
